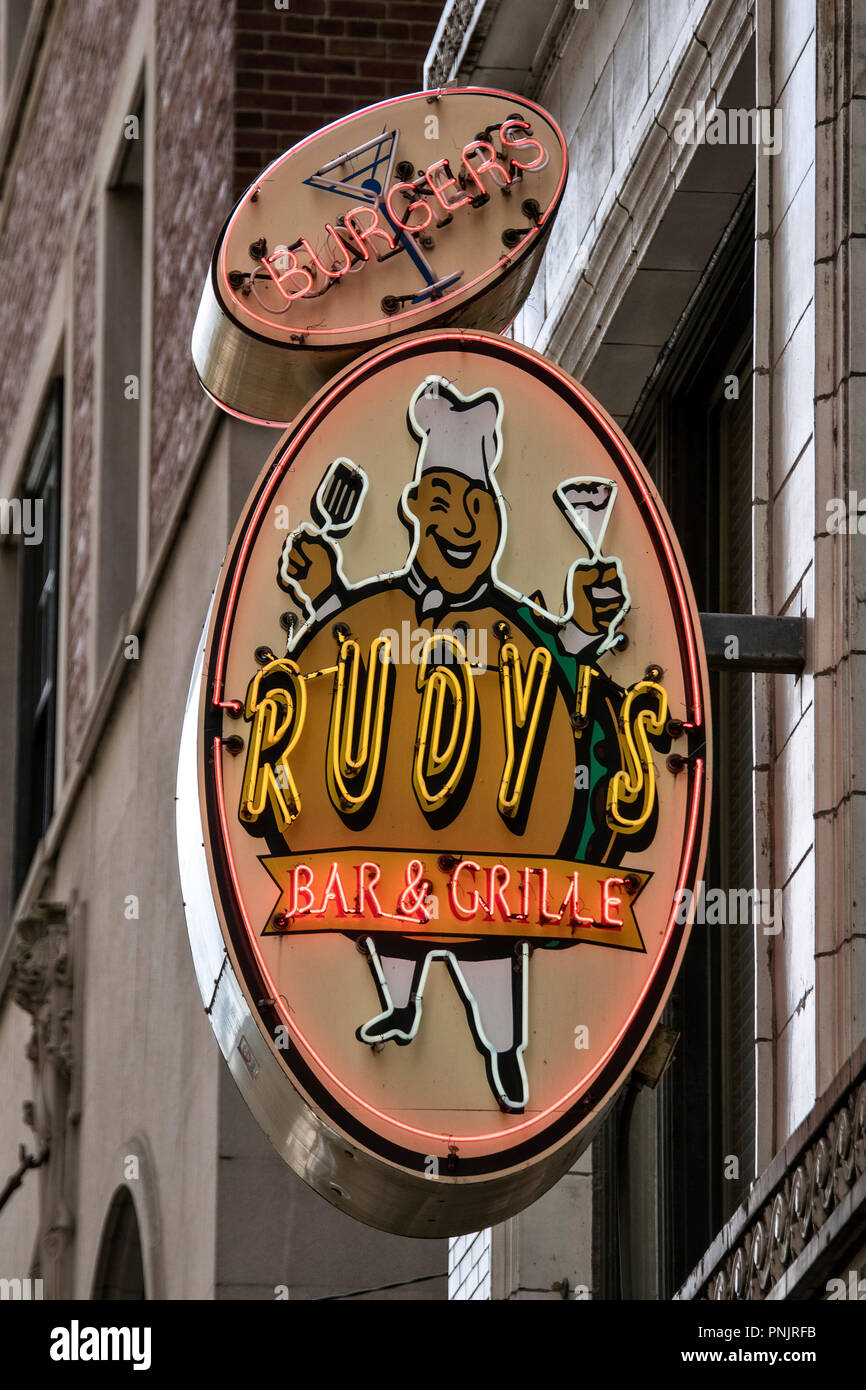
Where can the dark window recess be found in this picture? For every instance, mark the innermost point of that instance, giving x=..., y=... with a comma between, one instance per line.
x=37, y=642
x=693, y=428
x=121, y=391
x=120, y=1268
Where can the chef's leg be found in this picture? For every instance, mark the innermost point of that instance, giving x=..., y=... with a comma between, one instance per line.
x=496, y=992
x=400, y=982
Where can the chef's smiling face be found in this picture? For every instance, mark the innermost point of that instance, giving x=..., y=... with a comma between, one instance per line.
x=459, y=527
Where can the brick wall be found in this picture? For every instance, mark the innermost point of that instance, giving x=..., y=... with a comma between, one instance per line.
x=85, y=42
x=298, y=69
x=193, y=144
x=237, y=84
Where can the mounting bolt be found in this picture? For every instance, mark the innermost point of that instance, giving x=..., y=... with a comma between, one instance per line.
x=234, y=744
x=404, y=170
x=390, y=304
x=579, y=721
x=653, y=672
x=676, y=762
x=674, y=728
x=502, y=631
x=258, y=249
x=236, y=279
x=512, y=236
x=447, y=862
x=263, y=655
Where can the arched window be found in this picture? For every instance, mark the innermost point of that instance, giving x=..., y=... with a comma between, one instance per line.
x=120, y=1268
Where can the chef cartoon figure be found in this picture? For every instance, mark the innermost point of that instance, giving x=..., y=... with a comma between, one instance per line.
x=456, y=518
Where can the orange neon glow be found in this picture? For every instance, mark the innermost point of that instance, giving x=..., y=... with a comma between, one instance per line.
x=334, y=890
x=572, y=901
x=367, y=889
x=296, y=908
x=524, y=893
x=544, y=914
x=464, y=913
x=496, y=890
x=540, y=1116
x=610, y=900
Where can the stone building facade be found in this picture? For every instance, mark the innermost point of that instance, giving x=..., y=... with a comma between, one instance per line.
x=703, y=281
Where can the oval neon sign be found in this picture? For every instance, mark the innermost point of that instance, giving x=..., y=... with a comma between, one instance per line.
x=399, y=217
x=446, y=843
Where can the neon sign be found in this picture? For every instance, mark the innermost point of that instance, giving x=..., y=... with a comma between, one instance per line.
x=432, y=865
x=402, y=216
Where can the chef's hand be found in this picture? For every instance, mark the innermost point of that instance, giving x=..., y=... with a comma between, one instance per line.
x=598, y=595
x=308, y=567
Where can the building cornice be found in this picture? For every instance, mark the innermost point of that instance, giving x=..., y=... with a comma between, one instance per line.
x=807, y=1211
x=638, y=195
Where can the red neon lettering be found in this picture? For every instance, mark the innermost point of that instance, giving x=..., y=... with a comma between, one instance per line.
x=439, y=189
x=489, y=165
x=544, y=913
x=419, y=203
x=363, y=234
x=292, y=270
x=329, y=274
x=465, y=913
x=609, y=901
x=296, y=909
x=522, y=144
x=495, y=891
x=338, y=240
x=524, y=892
x=572, y=900
x=334, y=889
x=367, y=890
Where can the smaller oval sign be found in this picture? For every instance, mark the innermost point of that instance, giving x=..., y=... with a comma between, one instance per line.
x=401, y=216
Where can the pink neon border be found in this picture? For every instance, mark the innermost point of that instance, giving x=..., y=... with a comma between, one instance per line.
x=340, y=388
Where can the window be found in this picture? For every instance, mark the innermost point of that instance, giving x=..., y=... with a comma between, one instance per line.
x=120, y=1266
x=669, y=1152
x=14, y=19
x=38, y=581
x=117, y=543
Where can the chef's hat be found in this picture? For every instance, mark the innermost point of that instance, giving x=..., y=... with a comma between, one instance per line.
x=456, y=433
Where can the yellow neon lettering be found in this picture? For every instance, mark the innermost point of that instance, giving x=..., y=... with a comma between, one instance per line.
x=522, y=701
x=635, y=785
x=276, y=716
x=355, y=748
x=454, y=688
